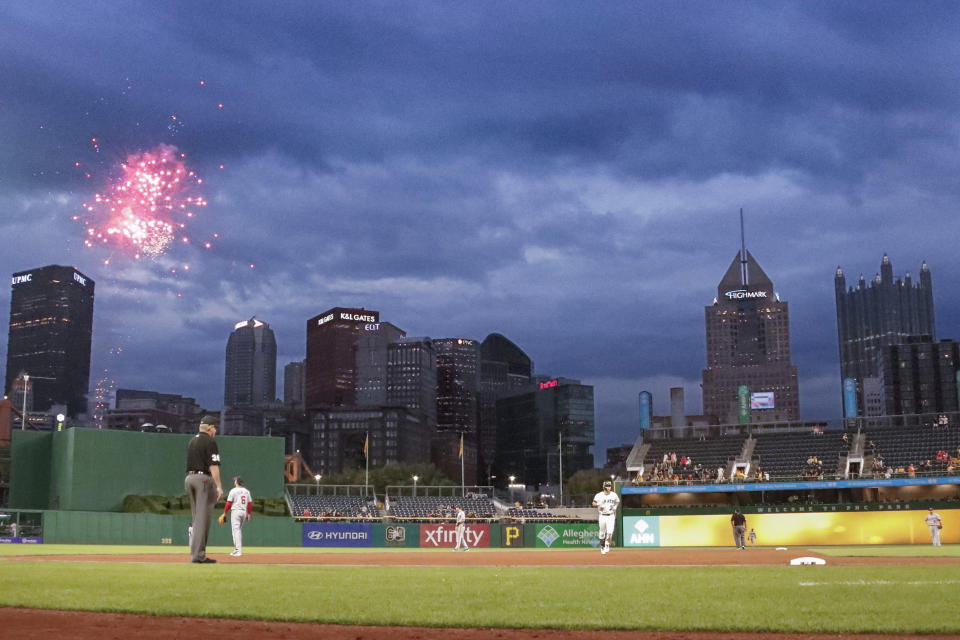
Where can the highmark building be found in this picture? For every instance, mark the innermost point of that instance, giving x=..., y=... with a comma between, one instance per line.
x=749, y=377
x=51, y=327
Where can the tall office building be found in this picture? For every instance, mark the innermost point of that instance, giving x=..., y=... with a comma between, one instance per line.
x=871, y=318
x=536, y=421
x=458, y=368
x=293, y=386
x=51, y=327
x=504, y=368
x=250, y=377
x=370, y=356
x=920, y=376
x=412, y=378
x=330, y=369
x=748, y=344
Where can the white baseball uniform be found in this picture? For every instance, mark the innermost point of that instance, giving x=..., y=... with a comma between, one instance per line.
x=933, y=521
x=461, y=530
x=241, y=504
x=607, y=506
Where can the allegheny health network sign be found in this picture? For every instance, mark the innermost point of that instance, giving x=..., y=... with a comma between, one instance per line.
x=565, y=536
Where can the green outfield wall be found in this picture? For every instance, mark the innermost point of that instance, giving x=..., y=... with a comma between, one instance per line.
x=84, y=527
x=94, y=470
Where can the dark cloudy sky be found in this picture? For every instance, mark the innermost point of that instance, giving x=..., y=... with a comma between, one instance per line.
x=568, y=174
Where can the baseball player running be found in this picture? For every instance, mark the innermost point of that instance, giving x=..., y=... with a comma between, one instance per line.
x=606, y=503
x=461, y=530
x=935, y=523
x=239, y=506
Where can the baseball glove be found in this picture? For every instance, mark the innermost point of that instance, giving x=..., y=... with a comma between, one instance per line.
x=222, y=518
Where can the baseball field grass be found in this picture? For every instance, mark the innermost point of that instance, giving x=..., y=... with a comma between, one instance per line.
x=832, y=599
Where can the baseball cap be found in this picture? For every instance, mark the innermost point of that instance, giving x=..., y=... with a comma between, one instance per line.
x=211, y=420
x=608, y=484
x=238, y=480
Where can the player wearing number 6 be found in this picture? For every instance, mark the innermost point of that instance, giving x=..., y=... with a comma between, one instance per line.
x=239, y=506
x=606, y=503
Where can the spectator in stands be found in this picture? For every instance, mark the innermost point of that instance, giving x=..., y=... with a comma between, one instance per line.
x=927, y=466
x=912, y=471
x=719, y=474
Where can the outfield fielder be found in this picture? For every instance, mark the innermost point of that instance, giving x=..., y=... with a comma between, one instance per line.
x=239, y=506
x=606, y=503
x=461, y=530
x=935, y=523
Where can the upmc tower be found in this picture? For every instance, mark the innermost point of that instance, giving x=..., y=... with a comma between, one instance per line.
x=51, y=325
x=748, y=344
x=330, y=370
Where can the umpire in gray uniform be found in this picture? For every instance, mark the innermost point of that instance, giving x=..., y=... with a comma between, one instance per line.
x=739, y=524
x=202, y=485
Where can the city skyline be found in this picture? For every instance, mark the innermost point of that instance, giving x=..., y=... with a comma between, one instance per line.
x=568, y=178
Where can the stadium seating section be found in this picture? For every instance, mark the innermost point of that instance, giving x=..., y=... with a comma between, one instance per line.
x=439, y=507
x=713, y=453
x=901, y=447
x=332, y=507
x=785, y=455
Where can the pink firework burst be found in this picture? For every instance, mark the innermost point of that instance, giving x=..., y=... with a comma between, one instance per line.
x=148, y=207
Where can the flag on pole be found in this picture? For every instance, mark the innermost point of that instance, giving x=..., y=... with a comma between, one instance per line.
x=366, y=446
x=461, y=445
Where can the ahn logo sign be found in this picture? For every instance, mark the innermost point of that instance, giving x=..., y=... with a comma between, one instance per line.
x=641, y=531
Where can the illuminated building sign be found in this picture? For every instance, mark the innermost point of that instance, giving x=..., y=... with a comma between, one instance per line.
x=21, y=279
x=467, y=342
x=79, y=278
x=358, y=317
x=743, y=294
x=352, y=317
x=375, y=326
x=549, y=383
x=247, y=323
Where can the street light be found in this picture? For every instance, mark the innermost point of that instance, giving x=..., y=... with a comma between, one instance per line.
x=26, y=385
x=415, y=478
x=60, y=419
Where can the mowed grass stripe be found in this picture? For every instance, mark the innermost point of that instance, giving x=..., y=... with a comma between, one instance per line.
x=765, y=599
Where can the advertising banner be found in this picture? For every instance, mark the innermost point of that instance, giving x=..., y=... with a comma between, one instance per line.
x=566, y=536
x=337, y=534
x=641, y=531
x=511, y=535
x=792, y=529
x=444, y=535
x=396, y=535
x=849, y=398
x=743, y=401
x=646, y=409
x=20, y=540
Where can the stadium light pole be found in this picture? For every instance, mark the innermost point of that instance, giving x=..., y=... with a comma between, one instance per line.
x=23, y=416
x=415, y=478
x=317, y=478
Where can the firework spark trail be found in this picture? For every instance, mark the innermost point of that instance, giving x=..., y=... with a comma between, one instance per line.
x=148, y=207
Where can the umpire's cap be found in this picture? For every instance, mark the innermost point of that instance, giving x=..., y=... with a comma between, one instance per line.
x=238, y=480
x=211, y=420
